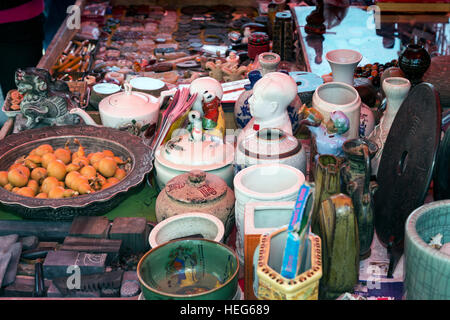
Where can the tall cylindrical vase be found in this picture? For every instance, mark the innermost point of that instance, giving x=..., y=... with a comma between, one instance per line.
x=396, y=90
x=261, y=183
x=327, y=183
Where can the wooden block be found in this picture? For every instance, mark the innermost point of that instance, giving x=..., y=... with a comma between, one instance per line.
x=93, y=245
x=90, y=227
x=53, y=292
x=23, y=287
x=44, y=230
x=57, y=262
x=130, y=285
x=133, y=232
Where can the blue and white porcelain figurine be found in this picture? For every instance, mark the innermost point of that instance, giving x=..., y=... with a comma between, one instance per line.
x=242, y=114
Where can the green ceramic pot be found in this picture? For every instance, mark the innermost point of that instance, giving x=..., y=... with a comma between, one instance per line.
x=427, y=271
x=194, y=269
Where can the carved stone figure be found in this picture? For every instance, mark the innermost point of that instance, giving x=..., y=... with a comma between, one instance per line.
x=45, y=101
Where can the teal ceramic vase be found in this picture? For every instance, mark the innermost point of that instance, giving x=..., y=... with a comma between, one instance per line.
x=427, y=270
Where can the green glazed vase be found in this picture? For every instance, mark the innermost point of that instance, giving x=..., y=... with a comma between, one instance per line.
x=340, y=246
x=356, y=172
x=327, y=183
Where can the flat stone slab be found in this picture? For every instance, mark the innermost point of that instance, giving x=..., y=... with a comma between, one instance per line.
x=29, y=243
x=11, y=272
x=4, y=262
x=7, y=241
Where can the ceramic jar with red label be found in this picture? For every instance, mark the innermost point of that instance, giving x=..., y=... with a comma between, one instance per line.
x=258, y=43
x=197, y=191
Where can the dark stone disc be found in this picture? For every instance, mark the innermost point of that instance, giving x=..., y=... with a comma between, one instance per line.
x=407, y=163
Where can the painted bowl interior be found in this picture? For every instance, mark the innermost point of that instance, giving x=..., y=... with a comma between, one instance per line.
x=194, y=268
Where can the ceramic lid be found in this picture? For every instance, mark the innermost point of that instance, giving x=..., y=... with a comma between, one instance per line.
x=129, y=103
x=270, y=143
x=195, y=187
x=182, y=153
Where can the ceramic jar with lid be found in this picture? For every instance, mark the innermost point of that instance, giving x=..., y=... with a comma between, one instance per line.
x=182, y=154
x=270, y=145
x=197, y=191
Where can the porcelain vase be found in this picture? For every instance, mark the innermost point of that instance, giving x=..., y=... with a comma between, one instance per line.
x=343, y=63
x=396, y=90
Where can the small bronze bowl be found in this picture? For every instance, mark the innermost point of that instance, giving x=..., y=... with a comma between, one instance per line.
x=93, y=139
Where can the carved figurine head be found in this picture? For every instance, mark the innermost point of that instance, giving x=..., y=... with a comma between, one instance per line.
x=32, y=80
x=272, y=95
x=201, y=85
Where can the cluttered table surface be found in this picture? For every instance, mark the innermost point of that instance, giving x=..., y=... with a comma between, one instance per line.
x=346, y=28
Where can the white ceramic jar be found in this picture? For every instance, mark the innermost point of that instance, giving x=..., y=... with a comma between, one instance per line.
x=263, y=182
x=270, y=145
x=339, y=96
x=181, y=154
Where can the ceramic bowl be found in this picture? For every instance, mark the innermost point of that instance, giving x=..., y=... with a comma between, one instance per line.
x=186, y=225
x=196, y=269
x=148, y=85
x=93, y=139
x=102, y=90
x=427, y=269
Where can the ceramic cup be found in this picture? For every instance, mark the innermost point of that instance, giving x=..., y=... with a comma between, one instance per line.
x=185, y=225
x=339, y=96
x=343, y=63
x=102, y=90
x=148, y=85
x=263, y=182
